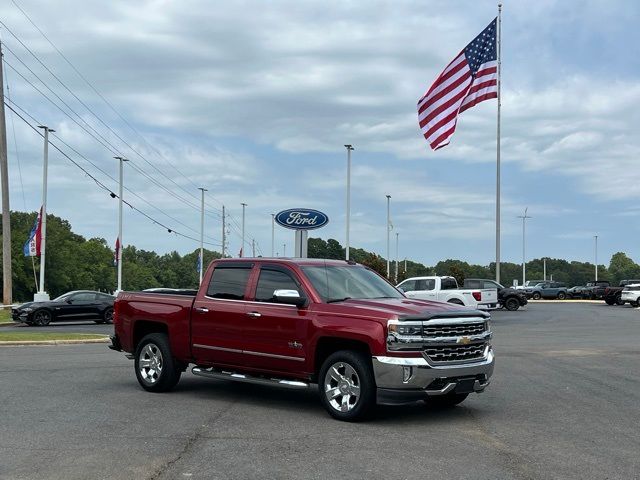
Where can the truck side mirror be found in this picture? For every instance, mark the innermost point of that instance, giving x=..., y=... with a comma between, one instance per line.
x=289, y=297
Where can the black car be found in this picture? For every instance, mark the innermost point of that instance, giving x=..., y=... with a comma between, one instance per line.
x=80, y=304
x=509, y=298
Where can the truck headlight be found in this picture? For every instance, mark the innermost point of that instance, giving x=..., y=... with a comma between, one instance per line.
x=405, y=329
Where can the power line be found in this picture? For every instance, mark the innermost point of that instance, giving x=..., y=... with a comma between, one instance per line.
x=102, y=185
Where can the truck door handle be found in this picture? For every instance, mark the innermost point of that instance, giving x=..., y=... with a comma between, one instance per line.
x=254, y=314
x=201, y=309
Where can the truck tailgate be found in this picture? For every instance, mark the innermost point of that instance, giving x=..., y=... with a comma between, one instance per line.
x=489, y=295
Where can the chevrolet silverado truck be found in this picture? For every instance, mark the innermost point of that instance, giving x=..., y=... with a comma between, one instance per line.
x=446, y=289
x=306, y=323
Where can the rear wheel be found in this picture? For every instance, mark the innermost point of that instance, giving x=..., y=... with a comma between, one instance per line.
x=347, y=386
x=41, y=318
x=107, y=316
x=619, y=300
x=536, y=296
x=156, y=369
x=512, y=304
x=446, y=401
x=610, y=301
x=456, y=301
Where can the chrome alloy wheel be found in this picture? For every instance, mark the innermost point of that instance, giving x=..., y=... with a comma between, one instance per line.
x=150, y=363
x=342, y=387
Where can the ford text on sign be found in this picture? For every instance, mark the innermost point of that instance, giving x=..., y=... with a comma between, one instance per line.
x=301, y=219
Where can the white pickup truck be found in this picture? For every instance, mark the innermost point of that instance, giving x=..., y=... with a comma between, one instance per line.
x=445, y=289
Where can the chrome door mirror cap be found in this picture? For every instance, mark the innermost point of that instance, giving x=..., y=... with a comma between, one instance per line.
x=289, y=297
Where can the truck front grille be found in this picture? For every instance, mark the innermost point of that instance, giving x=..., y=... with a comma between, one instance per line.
x=455, y=330
x=455, y=353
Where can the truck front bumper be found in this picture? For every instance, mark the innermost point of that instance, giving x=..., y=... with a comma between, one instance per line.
x=403, y=380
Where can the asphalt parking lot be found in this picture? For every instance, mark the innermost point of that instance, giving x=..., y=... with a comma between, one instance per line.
x=564, y=403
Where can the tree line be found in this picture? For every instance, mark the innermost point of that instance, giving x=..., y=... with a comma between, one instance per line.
x=77, y=263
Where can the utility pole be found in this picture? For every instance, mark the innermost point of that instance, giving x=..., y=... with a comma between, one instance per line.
x=273, y=234
x=397, y=240
x=524, y=264
x=7, y=284
x=349, y=150
x=244, y=205
x=121, y=160
x=224, y=233
x=202, y=190
x=388, y=232
x=596, y=237
x=42, y=295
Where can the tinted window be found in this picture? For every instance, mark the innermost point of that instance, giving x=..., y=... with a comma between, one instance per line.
x=408, y=286
x=488, y=284
x=271, y=280
x=472, y=284
x=449, y=283
x=425, y=284
x=229, y=283
x=83, y=297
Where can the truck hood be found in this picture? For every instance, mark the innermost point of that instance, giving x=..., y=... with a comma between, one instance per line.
x=384, y=309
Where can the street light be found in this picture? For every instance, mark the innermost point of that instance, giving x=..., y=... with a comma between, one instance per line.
x=349, y=149
x=388, y=232
x=120, y=242
x=273, y=234
x=201, y=268
x=42, y=295
x=244, y=205
x=524, y=264
x=596, y=249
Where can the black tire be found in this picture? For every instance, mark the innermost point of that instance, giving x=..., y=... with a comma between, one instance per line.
x=619, y=300
x=536, y=296
x=41, y=318
x=634, y=304
x=107, y=316
x=446, y=401
x=512, y=304
x=455, y=301
x=562, y=295
x=341, y=375
x=160, y=372
x=610, y=301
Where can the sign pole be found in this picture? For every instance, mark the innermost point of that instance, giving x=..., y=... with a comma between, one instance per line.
x=42, y=295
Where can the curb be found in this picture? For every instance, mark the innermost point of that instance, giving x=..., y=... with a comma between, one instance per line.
x=12, y=324
x=28, y=343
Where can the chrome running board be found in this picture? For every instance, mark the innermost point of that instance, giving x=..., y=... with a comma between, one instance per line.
x=242, y=377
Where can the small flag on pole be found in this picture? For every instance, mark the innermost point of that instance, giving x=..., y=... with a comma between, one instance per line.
x=32, y=246
x=471, y=78
x=116, y=253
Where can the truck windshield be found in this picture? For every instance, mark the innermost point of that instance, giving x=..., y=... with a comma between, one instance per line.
x=335, y=283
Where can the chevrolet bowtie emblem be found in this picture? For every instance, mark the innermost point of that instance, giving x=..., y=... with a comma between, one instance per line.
x=464, y=340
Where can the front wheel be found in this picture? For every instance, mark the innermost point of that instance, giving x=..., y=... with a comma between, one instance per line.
x=41, y=318
x=562, y=296
x=156, y=369
x=347, y=386
x=536, y=296
x=107, y=316
x=609, y=301
x=446, y=401
x=619, y=300
x=512, y=304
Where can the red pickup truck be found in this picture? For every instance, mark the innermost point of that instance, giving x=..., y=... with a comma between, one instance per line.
x=307, y=323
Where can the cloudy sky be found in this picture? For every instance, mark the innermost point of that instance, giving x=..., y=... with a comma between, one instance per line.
x=254, y=101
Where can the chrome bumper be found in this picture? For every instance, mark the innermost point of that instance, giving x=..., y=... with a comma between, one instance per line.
x=404, y=380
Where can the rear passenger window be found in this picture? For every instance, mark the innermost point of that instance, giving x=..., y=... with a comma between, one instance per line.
x=448, y=284
x=228, y=283
x=272, y=280
x=425, y=284
x=408, y=286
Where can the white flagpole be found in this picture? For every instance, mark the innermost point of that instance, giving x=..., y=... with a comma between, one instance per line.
x=498, y=45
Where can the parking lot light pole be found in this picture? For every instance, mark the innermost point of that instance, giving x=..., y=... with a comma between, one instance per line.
x=349, y=149
x=396, y=277
x=244, y=205
x=202, y=190
x=121, y=188
x=524, y=263
x=42, y=295
x=596, y=248
x=388, y=232
x=273, y=234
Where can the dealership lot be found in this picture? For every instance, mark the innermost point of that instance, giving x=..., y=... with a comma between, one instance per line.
x=563, y=404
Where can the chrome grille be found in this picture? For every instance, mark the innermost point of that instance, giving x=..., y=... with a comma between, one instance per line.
x=454, y=330
x=456, y=353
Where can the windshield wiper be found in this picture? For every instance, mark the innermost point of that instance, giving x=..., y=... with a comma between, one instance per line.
x=335, y=300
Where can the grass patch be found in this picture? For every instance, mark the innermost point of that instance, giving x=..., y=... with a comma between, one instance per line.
x=36, y=336
x=5, y=315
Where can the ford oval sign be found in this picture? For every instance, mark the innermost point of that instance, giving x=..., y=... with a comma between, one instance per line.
x=301, y=219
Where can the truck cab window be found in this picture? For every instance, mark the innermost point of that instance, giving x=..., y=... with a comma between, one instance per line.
x=408, y=286
x=228, y=283
x=272, y=280
x=449, y=283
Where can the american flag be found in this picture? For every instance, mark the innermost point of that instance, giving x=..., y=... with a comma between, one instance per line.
x=471, y=78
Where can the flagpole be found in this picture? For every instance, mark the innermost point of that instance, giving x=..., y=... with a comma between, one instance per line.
x=121, y=161
x=498, y=33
